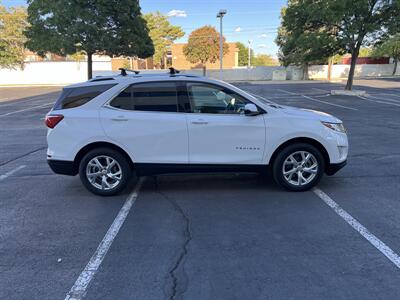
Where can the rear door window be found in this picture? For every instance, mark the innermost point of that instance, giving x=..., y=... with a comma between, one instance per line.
x=77, y=96
x=148, y=96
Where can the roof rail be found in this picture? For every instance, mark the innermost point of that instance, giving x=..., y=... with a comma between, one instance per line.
x=101, y=78
x=124, y=71
x=173, y=71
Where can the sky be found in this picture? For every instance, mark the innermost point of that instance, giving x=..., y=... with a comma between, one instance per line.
x=254, y=20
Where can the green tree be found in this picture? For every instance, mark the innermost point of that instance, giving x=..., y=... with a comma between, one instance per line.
x=203, y=46
x=390, y=48
x=265, y=60
x=163, y=35
x=338, y=26
x=244, y=54
x=12, y=25
x=112, y=27
x=298, y=45
x=365, y=52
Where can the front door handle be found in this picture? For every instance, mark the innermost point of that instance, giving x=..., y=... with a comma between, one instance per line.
x=199, y=122
x=119, y=119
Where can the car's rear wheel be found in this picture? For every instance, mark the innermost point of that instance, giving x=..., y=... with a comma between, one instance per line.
x=298, y=167
x=104, y=171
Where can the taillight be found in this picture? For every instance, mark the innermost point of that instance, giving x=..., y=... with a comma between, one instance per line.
x=52, y=120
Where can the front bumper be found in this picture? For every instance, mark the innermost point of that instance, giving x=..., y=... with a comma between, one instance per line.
x=332, y=169
x=63, y=167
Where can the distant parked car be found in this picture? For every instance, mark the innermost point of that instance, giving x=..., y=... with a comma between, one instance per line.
x=109, y=127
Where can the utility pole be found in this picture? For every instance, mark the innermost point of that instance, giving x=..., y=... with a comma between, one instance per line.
x=220, y=15
x=249, y=63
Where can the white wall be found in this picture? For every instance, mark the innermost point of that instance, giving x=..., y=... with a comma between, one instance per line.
x=342, y=71
x=50, y=72
x=72, y=72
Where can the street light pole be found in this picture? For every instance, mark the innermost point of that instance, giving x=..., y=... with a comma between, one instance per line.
x=249, y=60
x=220, y=15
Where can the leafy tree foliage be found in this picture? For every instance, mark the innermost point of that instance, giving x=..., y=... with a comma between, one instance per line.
x=12, y=25
x=163, y=34
x=203, y=46
x=244, y=54
x=314, y=30
x=265, y=60
x=111, y=27
x=390, y=48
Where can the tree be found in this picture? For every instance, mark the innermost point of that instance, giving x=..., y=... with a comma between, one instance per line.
x=12, y=24
x=203, y=46
x=163, y=34
x=113, y=27
x=341, y=25
x=357, y=23
x=390, y=48
x=299, y=45
x=244, y=54
x=265, y=60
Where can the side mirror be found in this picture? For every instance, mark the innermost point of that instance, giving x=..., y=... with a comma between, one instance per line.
x=250, y=109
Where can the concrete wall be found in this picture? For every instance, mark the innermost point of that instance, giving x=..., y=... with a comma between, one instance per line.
x=72, y=72
x=342, y=71
x=50, y=72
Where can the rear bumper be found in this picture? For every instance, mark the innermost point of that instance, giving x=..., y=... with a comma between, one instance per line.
x=62, y=167
x=332, y=169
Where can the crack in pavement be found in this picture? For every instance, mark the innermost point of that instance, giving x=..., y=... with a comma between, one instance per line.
x=21, y=156
x=177, y=272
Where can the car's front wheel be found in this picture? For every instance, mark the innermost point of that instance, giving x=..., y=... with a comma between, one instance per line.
x=298, y=167
x=104, y=171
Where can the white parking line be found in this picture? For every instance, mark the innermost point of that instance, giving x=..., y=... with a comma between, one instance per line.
x=377, y=101
x=4, y=176
x=384, y=99
x=264, y=98
x=18, y=101
x=329, y=103
x=78, y=290
x=287, y=92
x=26, y=109
x=321, y=90
x=377, y=243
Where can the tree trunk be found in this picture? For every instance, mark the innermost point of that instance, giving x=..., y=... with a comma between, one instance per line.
x=305, y=72
x=204, y=70
x=395, y=66
x=354, y=56
x=330, y=59
x=90, y=65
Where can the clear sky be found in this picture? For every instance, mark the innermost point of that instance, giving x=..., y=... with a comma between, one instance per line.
x=255, y=20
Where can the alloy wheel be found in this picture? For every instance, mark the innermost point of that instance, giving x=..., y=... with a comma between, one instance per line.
x=300, y=168
x=103, y=172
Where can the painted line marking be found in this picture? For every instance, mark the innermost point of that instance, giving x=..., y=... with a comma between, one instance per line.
x=287, y=92
x=26, y=109
x=8, y=174
x=377, y=101
x=383, y=99
x=317, y=89
x=24, y=100
x=377, y=243
x=80, y=286
x=266, y=99
x=333, y=104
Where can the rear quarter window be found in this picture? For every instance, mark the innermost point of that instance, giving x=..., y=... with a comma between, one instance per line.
x=77, y=96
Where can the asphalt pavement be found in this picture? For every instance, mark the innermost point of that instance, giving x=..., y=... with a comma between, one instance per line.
x=209, y=236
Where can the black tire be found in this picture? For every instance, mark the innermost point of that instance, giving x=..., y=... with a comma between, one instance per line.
x=277, y=167
x=123, y=163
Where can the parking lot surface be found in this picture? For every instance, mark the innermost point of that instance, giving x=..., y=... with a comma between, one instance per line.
x=225, y=236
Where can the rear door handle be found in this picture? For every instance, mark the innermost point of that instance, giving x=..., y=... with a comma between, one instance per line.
x=199, y=122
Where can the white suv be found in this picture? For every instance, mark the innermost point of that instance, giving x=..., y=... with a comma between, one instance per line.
x=108, y=127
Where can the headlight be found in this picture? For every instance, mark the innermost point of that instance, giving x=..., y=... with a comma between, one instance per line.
x=335, y=126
